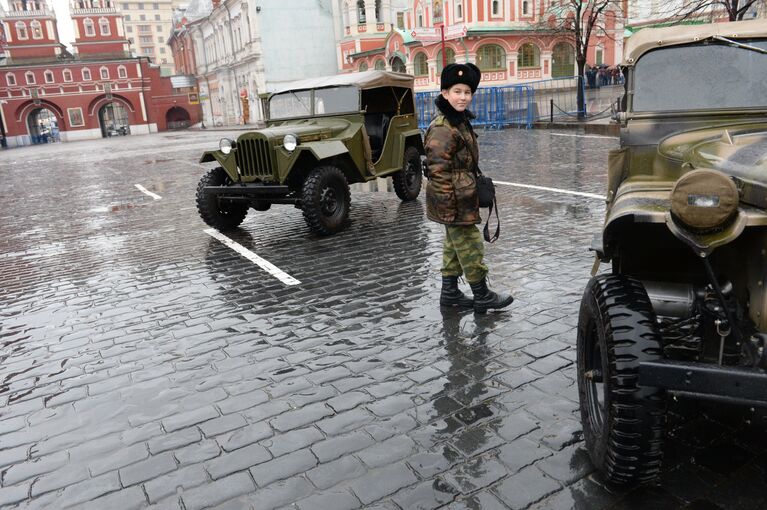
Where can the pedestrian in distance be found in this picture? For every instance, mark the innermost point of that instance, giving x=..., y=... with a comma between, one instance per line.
x=452, y=155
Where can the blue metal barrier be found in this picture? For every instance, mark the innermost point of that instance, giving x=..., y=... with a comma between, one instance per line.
x=562, y=93
x=494, y=107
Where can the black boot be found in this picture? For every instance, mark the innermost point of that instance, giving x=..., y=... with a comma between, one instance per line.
x=451, y=295
x=485, y=299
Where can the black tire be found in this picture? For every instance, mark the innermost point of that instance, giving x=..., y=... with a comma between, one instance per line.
x=219, y=214
x=407, y=182
x=623, y=423
x=325, y=200
x=261, y=205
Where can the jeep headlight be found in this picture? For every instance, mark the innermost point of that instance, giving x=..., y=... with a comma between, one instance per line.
x=290, y=142
x=704, y=200
x=225, y=145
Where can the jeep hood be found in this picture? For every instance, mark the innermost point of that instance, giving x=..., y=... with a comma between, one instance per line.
x=737, y=150
x=305, y=127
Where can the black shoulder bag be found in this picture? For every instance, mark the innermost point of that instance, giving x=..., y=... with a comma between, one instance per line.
x=486, y=193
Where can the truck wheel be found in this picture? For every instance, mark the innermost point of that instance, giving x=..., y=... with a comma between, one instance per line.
x=261, y=205
x=623, y=423
x=325, y=200
x=407, y=182
x=219, y=214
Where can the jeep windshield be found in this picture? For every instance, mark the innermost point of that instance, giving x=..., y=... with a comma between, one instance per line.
x=307, y=103
x=710, y=76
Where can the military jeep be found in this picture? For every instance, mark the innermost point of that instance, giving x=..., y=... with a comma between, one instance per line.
x=683, y=312
x=322, y=135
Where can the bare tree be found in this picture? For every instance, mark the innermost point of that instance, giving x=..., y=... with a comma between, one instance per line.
x=580, y=20
x=684, y=10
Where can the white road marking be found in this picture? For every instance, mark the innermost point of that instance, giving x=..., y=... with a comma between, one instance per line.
x=144, y=190
x=553, y=190
x=262, y=263
x=586, y=136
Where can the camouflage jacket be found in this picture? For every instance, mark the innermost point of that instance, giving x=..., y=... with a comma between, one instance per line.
x=452, y=154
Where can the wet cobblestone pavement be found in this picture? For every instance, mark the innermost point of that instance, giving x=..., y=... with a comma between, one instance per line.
x=144, y=363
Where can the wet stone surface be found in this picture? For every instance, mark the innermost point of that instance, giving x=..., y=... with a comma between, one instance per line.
x=144, y=362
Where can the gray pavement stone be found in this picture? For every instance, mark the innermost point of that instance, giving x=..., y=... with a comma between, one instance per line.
x=429, y=463
x=197, y=452
x=338, y=446
x=189, y=418
x=64, y=477
x=217, y=491
x=167, y=485
x=330, y=500
x=238, y=460
x=345, y=422
x=475, y=474
x=13, y=494
x=39, y=466
x=387, y=452
x=283, y=467
x=82, y=492
x=281, y=493
x=328, y=474
x=118, y=459
x=222, y=424
x=379, y=483
x=245, y=436
x=429, y=494
x=148, y=469
x=300, y=417
x=482, y=500
x=526, y=487
x=126, y=499
x=291, y=441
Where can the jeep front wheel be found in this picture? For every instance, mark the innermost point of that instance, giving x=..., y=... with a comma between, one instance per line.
x=325, y=200
x=407, y=182
x=219, y=214
x=623, y=423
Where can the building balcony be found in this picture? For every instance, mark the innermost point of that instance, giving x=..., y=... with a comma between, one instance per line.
x=27, y=14
x=83, y=12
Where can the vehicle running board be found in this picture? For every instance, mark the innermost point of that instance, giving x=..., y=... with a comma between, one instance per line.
x=731, y=384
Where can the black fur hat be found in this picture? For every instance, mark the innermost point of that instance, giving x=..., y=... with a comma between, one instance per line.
x=468, y=74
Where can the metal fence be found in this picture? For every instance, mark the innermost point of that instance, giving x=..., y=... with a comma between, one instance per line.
x=495, y=107
x=513, y=105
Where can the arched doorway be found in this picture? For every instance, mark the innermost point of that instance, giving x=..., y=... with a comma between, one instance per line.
x=397, y=65
x=113, y=119
x=177, y=118
x=43, y=126
x=563, y=61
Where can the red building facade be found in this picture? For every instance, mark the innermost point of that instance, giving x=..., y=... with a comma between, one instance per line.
x=99, y=90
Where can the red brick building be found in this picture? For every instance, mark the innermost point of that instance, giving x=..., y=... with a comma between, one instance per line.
x=96, y=91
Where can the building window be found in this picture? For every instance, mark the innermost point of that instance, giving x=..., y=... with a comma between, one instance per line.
x=67, y=75
x=104, y=73
x=157, y=17
x=363, y=66
x=159, y=28
x=419, y=18
x=162, y=50
x=127, y=17
x=147, y=51
x=156, y=7
x=129, y=29
x=37, y=30
x=89, y=30
x=401, y=20
x=144, y=29
x=529, y=56
x=126, y=7
x=142, y=17
x=380, y=65
x=122, y=72
x=360, y=11
x=420, y=65
x=459, y=9
x=104, y=26
x=30, y=77
x=525, y=7
x=496, y=8
x=599, y=56
x=450, y=58
x=21, y=30
x=86, y=74
x=140, y=6
x=160, y=39
x=48, y=76
x=491, y=57
x=10, y=78
x=145, y=39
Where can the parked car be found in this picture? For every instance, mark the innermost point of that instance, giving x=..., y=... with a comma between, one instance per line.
x=683, y=310
x=322, y=135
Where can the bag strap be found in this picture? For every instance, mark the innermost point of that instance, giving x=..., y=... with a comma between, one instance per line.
x=486, y=230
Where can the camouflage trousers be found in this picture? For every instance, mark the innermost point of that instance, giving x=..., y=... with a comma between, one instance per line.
x=463, y=252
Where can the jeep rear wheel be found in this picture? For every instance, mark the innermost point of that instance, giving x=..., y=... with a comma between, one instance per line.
x=325, y=200
x=407, y=182
x=623, y=423
x=219, y=214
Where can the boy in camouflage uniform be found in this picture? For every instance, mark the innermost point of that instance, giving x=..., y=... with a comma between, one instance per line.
x=451, y=193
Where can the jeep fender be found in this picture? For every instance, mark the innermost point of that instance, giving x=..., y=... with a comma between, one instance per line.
x=227, y=161
x=325, y=149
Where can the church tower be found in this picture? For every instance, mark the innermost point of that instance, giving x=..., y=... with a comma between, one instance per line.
x=99, y=29
x=30, y=32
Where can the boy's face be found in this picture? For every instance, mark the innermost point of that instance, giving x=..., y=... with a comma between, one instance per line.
x=459, y=96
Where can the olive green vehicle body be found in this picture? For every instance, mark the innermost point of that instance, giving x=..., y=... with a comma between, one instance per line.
x=339, y=139
x=657, y=148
